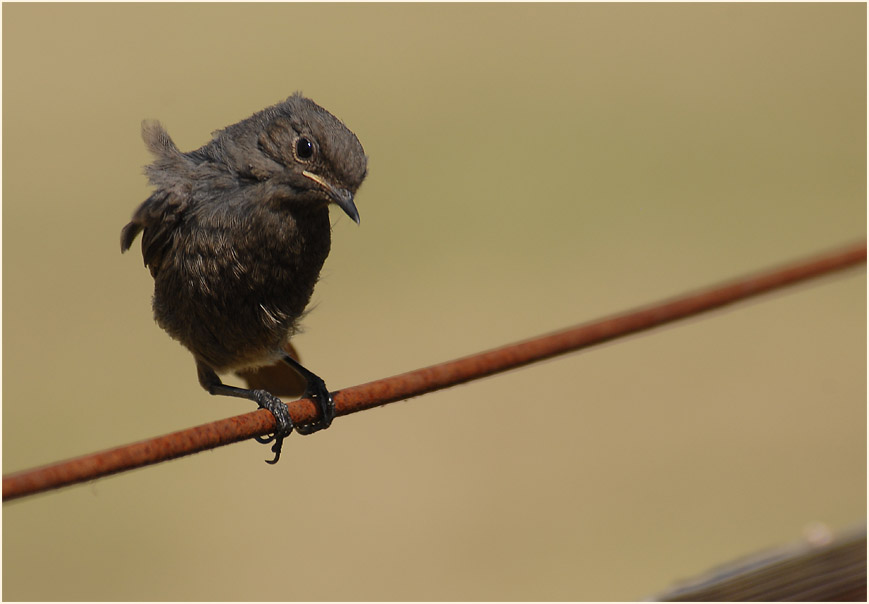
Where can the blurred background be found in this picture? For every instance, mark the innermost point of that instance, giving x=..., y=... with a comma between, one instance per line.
x=531, y=167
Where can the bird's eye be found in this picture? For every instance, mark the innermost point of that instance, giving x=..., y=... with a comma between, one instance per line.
x=304, y=149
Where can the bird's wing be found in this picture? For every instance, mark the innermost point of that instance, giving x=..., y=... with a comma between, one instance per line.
x=166, y=208
x=158, y=217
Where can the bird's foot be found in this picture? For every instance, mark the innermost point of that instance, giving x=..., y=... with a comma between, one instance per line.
x=317, y=392
x=283, y=421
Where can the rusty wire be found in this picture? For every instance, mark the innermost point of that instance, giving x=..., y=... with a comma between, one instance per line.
x=421, y=381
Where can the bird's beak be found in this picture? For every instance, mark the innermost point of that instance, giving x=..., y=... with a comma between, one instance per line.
x=342, y=197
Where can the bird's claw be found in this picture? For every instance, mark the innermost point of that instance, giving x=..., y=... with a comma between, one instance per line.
x=317, y=392
x=283, y=421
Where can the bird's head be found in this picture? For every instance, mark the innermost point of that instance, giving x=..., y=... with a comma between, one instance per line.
x=304, y=152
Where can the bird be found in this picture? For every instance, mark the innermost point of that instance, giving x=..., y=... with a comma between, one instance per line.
x=235, y=234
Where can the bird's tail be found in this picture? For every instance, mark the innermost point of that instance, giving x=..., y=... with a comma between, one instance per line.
x=279, y=379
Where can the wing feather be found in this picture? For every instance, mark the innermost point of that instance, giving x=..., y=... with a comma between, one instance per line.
x=160, y=214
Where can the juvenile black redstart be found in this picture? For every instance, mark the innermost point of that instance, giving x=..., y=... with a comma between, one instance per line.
x=235, y=234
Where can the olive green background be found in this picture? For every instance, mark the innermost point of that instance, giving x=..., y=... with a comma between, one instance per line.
x=531, y=167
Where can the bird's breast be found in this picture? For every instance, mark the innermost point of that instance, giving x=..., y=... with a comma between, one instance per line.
x=236, y=287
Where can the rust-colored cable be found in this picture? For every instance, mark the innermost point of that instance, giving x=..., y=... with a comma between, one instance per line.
x=424, y=380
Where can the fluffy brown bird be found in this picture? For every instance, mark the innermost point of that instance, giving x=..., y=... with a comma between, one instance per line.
x=235, y=234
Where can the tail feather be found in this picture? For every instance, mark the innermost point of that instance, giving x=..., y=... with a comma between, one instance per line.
x=279, y=379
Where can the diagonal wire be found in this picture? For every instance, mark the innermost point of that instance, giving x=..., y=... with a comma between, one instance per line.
x=428, y=379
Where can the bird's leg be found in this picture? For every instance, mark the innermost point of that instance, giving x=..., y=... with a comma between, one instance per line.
x=316, y=391
x=264, y=400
